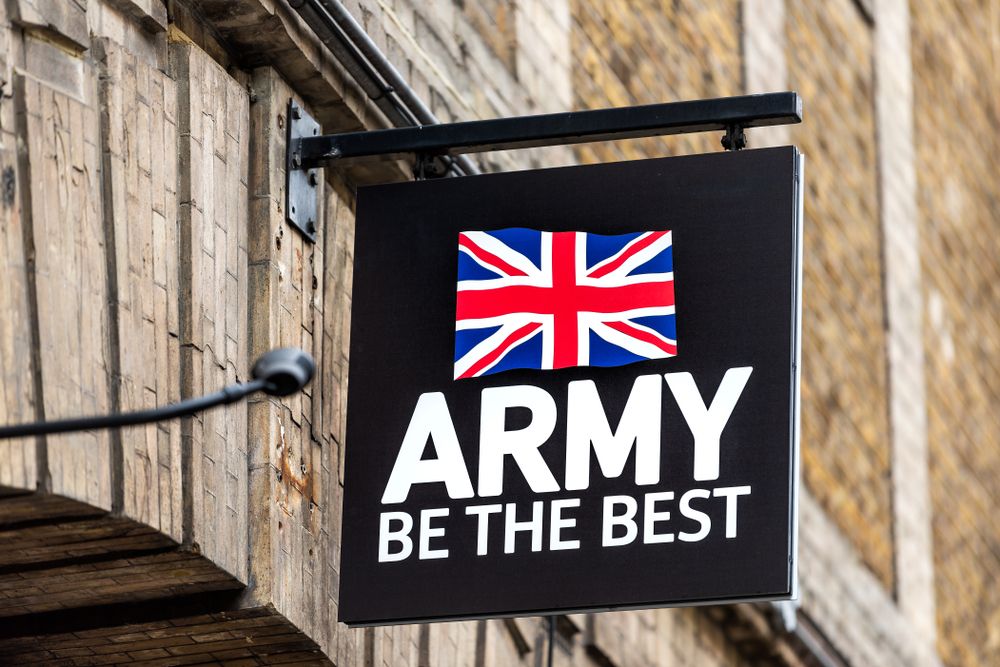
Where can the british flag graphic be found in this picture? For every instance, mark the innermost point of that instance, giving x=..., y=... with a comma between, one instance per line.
x=544, y=300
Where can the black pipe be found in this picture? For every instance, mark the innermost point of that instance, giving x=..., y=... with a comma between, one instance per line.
x=347, y=40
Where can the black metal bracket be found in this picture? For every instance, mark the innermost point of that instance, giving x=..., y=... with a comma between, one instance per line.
x=431, y=166
x=301, y=182
x=430, y=146
x=555, y=129
x=735, y=138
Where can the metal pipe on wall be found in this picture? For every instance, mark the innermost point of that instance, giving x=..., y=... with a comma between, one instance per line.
x=347, y=40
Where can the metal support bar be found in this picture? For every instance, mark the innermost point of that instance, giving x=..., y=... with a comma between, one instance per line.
x=432, y=144
x=729, y=113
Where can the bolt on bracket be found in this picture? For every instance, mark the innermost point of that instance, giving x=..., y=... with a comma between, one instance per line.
x=301, y=185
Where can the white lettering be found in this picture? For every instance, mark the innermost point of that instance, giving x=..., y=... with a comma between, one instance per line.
x=426, y=533
x=556, y=543
x=430, y=419
x=495, y=442
x=650, y=517
x=483, y=513
x=704, y=521
x=512, y=526
x=402, y=536
x=731, y=493
x=587, y=423
x=611, y=520
x=706, y=424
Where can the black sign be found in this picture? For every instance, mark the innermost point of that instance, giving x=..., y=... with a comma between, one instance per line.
x=574, y=389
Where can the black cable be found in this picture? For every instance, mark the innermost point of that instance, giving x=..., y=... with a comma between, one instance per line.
x=224, y=396
x=279, y=372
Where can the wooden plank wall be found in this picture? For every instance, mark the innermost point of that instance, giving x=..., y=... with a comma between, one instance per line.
x=295, y=456
x=64, y=234
x=125, y=269
x=213, y=126
x=17, y=399
x=139, y=120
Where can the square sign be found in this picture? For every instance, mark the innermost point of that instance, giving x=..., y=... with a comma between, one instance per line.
x=574, y=389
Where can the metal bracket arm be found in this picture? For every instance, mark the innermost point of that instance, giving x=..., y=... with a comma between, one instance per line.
x=556, y=129
x=309, y=150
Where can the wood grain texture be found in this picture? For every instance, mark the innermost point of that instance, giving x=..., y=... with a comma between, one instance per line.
x=17, y=404
x=213, y=126
x=138, y=107
x=66, y=238
x=293, y=457
x=244, y=637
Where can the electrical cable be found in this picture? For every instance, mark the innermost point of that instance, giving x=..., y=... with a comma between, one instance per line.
x=277, y=373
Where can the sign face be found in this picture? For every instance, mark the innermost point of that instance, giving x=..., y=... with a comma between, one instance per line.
x=574, y=389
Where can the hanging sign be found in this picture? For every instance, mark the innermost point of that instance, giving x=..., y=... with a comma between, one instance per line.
x=574, y=389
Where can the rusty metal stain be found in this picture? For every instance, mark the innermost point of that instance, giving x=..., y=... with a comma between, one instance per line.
x=292, y=473
x=295, y=473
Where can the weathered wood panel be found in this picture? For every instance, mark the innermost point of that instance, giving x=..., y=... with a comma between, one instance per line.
x=300, y=295
x=17, y=457
x=213, y=126
x=155, y=576
x=65, y=236
x=138, y=110
x=245, y=637
x=292, y=499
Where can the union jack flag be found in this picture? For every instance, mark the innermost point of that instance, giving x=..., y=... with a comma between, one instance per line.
x=532, y=299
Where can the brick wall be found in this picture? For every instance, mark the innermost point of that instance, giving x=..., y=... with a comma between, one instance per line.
x=956, y=111
x=494, y=21
x=648, y=52
x=845, y=434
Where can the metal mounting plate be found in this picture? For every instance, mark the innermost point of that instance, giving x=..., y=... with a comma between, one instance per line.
x=301, y=185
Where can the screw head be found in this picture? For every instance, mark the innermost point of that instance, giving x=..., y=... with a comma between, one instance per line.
x=313, y=179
